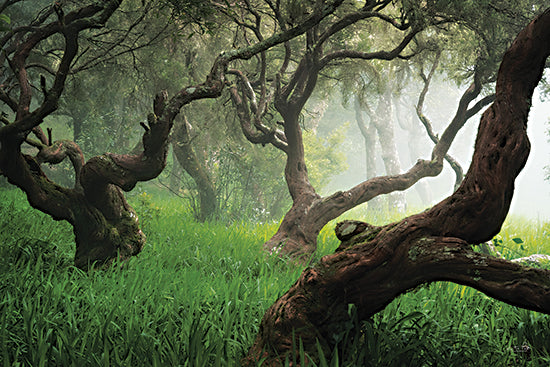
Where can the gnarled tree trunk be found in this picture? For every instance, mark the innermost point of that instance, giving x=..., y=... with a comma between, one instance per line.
x=374, y=265
x=105, y=226
x=297, y=235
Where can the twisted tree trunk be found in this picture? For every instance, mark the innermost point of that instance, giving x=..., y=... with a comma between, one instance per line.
x=374, y=265
x=105, y=226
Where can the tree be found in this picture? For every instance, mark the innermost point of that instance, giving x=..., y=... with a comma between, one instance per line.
x=183, y=150
x=381, y=125
x=325, y=46
x=373, y=265
x=105, y=226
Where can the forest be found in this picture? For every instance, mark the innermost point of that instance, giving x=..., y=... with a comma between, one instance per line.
x=274, y=183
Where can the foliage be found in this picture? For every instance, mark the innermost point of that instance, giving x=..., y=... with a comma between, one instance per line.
x=196, y=294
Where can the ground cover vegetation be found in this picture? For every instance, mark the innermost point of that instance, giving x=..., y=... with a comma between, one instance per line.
x=280, y=53
x=196, y=296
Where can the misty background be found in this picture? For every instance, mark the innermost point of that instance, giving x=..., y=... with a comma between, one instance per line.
x=532, y=193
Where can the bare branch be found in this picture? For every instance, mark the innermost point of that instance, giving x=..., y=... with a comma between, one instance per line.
x=459, y=174
x=260, y=134
x=10, y=102
x=353, y=18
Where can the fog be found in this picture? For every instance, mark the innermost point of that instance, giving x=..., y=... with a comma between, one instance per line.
x=532, y=194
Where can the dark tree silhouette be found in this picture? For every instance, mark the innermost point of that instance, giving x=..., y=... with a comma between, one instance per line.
x=373, y=265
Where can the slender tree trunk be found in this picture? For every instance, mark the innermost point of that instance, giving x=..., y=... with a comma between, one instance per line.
x=383, y=122
x=181, y=142
x=369, y=138
x=77, y=129
x=414, y=138
x=374, y=265
x=175, y=173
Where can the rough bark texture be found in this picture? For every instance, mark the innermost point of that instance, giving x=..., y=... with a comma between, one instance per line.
x=375, y=264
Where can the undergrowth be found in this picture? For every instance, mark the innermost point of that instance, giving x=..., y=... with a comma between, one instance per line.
x=197, y=292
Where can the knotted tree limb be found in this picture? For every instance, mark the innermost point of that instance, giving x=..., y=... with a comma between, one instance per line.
x=430, y=246
x=58, y=151
x=21, y=170
x=250, y=115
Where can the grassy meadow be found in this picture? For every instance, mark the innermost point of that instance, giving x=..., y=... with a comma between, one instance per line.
x=197, y=292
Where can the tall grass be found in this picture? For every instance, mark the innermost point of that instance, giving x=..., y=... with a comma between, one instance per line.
x=196, y=295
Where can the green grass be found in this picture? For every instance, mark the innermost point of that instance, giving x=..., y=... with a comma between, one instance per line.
x=197, y=292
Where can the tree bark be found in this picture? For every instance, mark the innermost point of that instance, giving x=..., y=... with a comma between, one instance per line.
x=373, y=265
x=105, y=226
x=369, y=139
x=383, y=121
x=183, y=150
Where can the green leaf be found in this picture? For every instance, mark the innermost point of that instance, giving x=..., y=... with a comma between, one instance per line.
x=4, y=22
x=5, y=18
x=517, y=240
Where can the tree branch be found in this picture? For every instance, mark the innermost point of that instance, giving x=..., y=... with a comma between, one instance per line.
x=252, y=116
x=504, y=280
x=379, y=55
x=459, y=175
x=58, y=151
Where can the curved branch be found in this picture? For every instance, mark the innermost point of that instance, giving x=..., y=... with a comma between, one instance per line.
x=261, y=134
x=379, y=55
x=10, y=102
x=22, y=170
x=343, y=201
x=74, y=22
x=502, y=145
x=462, y=115
x=459, y=173
x=352, y=18
x=504, y=280
x=60, y=150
